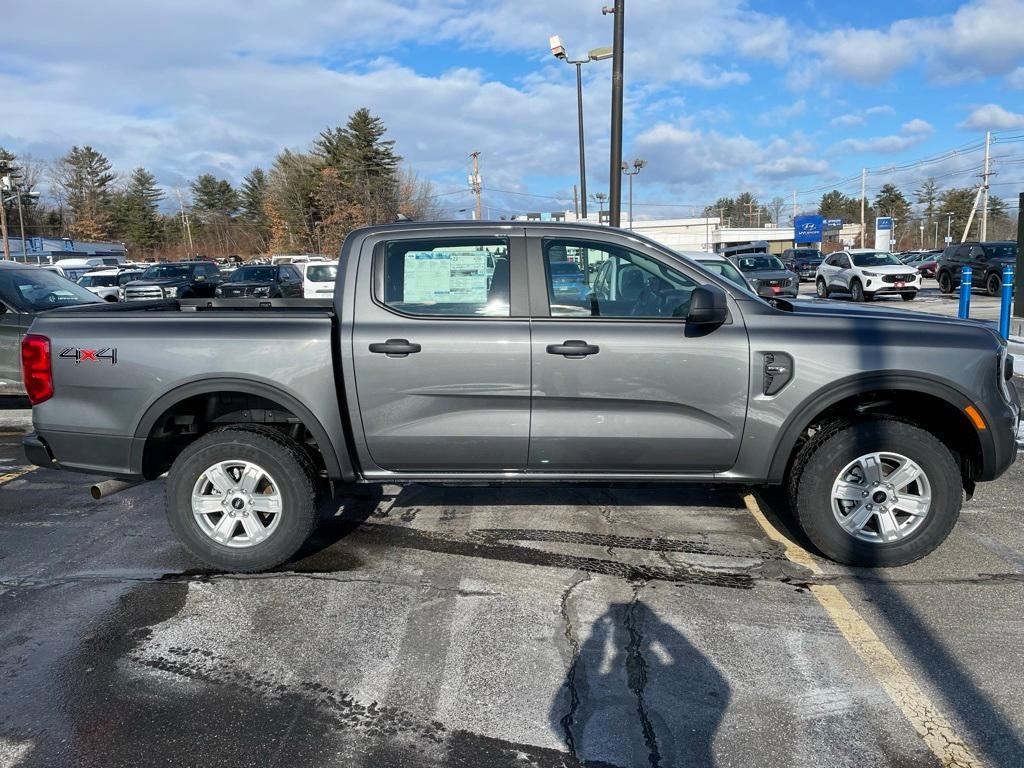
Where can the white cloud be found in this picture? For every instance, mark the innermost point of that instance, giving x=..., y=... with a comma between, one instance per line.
x=917, y=127
x=854, y=119
x=881, y=145
x=1016, y=79
x=783, y=113
x=993, y=117
x=788, y=167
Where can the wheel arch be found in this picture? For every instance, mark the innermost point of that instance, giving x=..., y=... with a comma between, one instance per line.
x=336, y=466
x=919, y=399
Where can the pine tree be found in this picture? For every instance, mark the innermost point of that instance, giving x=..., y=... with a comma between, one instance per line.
x=890, y=202
x=137, y=210
x=836, y=205
x=959, y=201
x=83, y=179
x=213, y=197
x=253, y=198
x=928, y=196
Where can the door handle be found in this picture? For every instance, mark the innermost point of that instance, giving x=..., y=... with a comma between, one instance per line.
x=395, y=348
x=573, y=349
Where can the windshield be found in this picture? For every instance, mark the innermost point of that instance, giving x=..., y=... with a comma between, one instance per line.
x=322, y=274
x=807, y=255
x=726, y=270
x=760, y=263
x=97, y=281
x=257, y=274
x=165, y=271
x=33, y=290
x=1007, y=251
x=880, y=259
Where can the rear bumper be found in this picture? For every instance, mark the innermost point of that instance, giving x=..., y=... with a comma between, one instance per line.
x=77, y=452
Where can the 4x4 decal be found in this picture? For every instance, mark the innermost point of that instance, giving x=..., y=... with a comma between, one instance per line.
x=80, y=355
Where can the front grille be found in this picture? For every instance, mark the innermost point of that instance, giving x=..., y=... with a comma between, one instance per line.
x=897, y=278
x=141, y=294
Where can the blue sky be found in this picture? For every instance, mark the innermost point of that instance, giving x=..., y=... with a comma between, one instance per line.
x=722, y=95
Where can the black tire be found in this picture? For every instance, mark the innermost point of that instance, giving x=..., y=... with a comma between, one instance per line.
x=908, y=296
x=993, y=284
x=283, y=458
x=110, y=298
x=857, y=291
x=822, y=459
x=945, y=282
x=822, y=288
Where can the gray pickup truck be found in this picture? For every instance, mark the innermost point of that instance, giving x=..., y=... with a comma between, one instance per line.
x=459, y=353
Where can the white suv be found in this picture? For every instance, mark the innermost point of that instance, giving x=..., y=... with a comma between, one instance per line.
x=109, y=284
x=864, y=274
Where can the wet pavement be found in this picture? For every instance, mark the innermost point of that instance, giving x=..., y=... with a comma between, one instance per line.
x=529, y=626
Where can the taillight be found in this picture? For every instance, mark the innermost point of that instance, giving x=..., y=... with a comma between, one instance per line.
x=37, y=372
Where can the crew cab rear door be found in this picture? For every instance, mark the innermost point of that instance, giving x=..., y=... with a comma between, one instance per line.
x=621, y=384
x=441, y=349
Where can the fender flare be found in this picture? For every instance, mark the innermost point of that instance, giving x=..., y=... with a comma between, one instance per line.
x=333, y=463
x=861, y=384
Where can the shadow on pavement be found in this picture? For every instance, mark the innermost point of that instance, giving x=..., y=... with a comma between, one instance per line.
x=639, y=693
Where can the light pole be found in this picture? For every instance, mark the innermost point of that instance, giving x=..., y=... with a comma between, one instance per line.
x=597, y=54
x=632, y=171
x=614, y=180
x=599, y=198
x=8, y=185
x=921, y=227
x=936, y=243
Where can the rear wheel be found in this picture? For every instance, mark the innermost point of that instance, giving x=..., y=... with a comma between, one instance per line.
x=822, y=288
x=242, y=498
x=945, y=282
x=993, y=284
x=876, y=493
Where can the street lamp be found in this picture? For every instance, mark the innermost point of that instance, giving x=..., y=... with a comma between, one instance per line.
x=599, y=198
x=632, y=171
x=596, y=54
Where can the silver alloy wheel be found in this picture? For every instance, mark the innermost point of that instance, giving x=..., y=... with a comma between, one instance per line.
x=237, y=503
x=881, y=497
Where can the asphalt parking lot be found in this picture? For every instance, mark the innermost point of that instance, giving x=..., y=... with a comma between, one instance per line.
x=652, y=625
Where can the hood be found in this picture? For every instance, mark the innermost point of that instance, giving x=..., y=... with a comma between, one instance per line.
x=890, y=269
x=247, y=285
x=813, y=306
x=770, y=274
x=164, y=282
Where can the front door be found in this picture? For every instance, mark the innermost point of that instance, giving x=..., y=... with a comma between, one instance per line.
x=12, y=328
x=621, y=384
x=441, y=345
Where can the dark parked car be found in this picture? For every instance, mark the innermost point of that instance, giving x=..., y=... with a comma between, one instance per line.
x=176, y=280
x=418, y=370
x=768, y=276
x=273, y=282
x=567, y=280
x=986, y=260
x=25, y=292
x=803, y=261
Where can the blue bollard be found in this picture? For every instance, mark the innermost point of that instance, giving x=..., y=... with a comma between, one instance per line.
x=1004, y=308
x=966, y=276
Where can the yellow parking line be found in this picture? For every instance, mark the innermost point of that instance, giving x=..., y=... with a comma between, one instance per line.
x=930, y=724
x=15, y=474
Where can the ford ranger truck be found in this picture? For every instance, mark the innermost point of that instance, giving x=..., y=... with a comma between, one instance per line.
x=448, y=354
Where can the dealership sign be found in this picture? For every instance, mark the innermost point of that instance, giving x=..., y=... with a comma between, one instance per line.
x=808, y=229
x=883, y=233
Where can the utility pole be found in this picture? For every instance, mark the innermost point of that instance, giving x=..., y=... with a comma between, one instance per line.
x=863, y=201
x=576, y=203
x=794, y=208
x=984, y=186
x=3, y=220
x=474, y=184
x=615, y=159
x=974, y=209
x=186, y=227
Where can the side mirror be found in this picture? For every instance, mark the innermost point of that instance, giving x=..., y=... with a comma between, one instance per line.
x=707, y=306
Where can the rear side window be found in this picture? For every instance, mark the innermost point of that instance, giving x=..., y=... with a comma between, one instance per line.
x=321, y=274
x=463, y=277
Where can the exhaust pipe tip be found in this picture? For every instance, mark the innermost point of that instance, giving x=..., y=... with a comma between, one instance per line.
x=109, y=487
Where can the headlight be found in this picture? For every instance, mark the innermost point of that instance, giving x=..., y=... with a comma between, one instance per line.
x=870, y=274
x=217, y=291
x=261, y=291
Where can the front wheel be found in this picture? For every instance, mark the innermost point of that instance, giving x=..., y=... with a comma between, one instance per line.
x=242, y=498
x=945, y=282
x=877, y=493
x=857, y=291
x=908, y=296
x=822, y=289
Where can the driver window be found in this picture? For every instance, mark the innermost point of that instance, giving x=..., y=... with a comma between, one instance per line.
x=585, y=280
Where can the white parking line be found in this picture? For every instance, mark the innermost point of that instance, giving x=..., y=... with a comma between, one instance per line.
x=930, y=724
